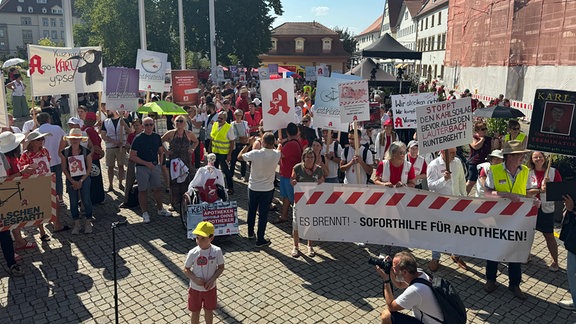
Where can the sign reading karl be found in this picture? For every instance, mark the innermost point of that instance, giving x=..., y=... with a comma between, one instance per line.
x=56, y=70
x=404, y=108
x=277, y=103
x=553, y=124
x=122, y=88
x=152, y=66
x=444, y=125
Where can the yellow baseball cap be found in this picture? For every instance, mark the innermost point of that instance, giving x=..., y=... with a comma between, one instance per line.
x=204, y=229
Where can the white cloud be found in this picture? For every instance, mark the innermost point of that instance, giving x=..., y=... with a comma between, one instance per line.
x=320, y=11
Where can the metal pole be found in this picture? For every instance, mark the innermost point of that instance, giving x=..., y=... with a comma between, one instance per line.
x=212, y=39
x=181, y=27
x=114, y=225
x=142, y=17
x=69, y=42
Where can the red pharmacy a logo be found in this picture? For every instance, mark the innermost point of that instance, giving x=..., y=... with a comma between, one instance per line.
x=279, y=102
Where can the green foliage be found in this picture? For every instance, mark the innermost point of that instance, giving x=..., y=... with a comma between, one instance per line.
x=348, y=39
x=497, y=125
x=566, y=165
x=195, y=60
x=48, y=42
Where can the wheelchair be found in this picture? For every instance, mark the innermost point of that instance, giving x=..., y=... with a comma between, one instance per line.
x=194, y=197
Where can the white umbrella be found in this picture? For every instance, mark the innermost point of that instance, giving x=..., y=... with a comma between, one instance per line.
x=12, y=61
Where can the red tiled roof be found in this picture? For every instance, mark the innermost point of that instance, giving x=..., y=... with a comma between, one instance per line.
x=302, y=29
x=374, y=27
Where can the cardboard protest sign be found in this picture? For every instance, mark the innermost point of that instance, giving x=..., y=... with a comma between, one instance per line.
x=553, y=123
x=354, y=101
x=272, y=69
x=65, y=70
x=263, y=73
x=444, y=125
x=27, y=201
x=277, y=103
x=220, y=74
x=121, y=89
x=185, y=87
x=492, y=229
x=152, y=66
x=310, y=73
x=223, y=215
x=233, y=71
x=403, y=108
x=327, y=104
x=322, y=71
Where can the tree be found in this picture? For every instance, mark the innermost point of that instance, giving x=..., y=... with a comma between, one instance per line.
x=347, y=39
x=242, y=28
x=48, y=42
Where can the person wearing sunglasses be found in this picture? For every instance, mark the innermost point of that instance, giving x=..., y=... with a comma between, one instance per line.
x=479, y=149
x=514, y=133
x=146, y=152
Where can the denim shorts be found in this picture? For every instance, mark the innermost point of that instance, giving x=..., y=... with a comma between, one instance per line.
x=286, y=189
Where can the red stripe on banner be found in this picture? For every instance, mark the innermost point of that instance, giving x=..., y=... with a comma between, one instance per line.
x=395, y=199
x=334, y=197
x=461, y=205
x=298, y=196
x=438, y=203
x=486, y=207
x=533, y=211
x=353, y=198
x=512, y=208
x=314, y=198
x=374, y=198
x=417, y=200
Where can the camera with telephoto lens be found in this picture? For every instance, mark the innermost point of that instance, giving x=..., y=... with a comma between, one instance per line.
x=384, y=264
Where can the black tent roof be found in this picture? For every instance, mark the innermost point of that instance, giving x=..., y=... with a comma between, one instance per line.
x=387, y=47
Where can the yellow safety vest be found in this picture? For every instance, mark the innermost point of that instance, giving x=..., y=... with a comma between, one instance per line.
x=520, y=137
x=502, y=181
x=220, y=142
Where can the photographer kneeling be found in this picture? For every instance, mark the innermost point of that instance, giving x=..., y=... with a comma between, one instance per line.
x=418, y=297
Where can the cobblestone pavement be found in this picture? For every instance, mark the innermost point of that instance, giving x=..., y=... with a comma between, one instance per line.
x=70, y=278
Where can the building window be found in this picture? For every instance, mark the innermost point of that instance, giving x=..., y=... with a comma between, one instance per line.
x=46, y=34
x=426, y=26
x=61, y=22
x=327, y=44
x=406, y=16
x=30, y=9
x=45, y=22
x=56, y=10
x=1, y=32
x=440, y=18
x=19, y=9
x=62, y=34
x=274, y=44
x=53, y=22
x=299, y=44
x=432, y=22
x=438, y=42
x=41, y=1
x=421, y=25
x=44, y=10
x=54, y=34
x=444, y=41
x=27, y=37
x=26, y=21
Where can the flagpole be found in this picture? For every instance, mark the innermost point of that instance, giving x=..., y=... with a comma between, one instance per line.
x=142, y=23
x=69, y=42
x=212, y=40
x=181, y=30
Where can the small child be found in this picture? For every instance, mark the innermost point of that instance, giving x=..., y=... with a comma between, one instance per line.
x=203, y=265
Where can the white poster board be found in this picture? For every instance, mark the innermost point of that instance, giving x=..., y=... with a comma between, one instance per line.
x=354, y=101
x=403, y=108
x=152, y=66
x=310, y=73
x=223, y=215
x=263, y=73
x=327, y=104
x=277, y=103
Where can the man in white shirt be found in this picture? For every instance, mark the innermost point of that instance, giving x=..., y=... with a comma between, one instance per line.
x=114, y=132
x=350, y=159
x=418, y=296
x=445, y=182
x=54, y=144
x=261, y=184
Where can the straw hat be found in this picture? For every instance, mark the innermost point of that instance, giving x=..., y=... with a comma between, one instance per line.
x=32, y=136
x=513, y=147
x=9, y=141
x=76, y=133
x=496, y=154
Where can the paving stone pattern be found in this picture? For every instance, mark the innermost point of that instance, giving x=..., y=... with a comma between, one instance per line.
x=70, y=278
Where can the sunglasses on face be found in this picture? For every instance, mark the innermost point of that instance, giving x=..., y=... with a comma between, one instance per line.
x=179, y=121
x=482, y=129
x=148, y=124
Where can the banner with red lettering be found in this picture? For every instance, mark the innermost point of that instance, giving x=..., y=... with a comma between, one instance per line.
x=492, y=229
x=223, y=215
x=277, y=103
x=404, y=108
x=57, y=70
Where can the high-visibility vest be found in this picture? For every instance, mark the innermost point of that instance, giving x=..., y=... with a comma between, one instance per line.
x=502, y=181
x=220, y=142
x=519, y=138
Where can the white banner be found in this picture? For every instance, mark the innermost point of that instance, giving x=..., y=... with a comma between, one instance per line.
x=152, y=66
x=444, y=125
x=492, y=229
x=3, y=108
x=223, y=215
x=404, y=108
x=327, y=105
x=354, y=101
x=56, y=70
x=277, y=103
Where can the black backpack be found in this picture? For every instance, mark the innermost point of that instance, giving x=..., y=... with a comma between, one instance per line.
x=132, y=200
x=452, y=306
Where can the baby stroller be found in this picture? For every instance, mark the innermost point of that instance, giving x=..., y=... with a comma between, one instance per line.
x=207, y=187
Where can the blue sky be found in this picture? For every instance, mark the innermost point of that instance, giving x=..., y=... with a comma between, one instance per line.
x=356, y=15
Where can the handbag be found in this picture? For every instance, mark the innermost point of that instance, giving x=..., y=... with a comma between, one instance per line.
x=568, y=232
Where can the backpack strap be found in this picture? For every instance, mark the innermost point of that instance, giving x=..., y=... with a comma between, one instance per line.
x=346, y=149
x=429, y=284
x=336, y=149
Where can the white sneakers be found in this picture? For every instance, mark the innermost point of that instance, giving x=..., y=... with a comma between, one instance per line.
x=164, y=212
x=567, y=304
x=146, y=217
x=88, y=228
x=76, y=229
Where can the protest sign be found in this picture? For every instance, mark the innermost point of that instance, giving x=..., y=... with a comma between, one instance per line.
x=277, y=103
x=185, y=87
x=25, y=201
x=553, y=124
x=492, y=229
x=354, y=101
x=263, y=73
x=3, y=109
x=404, y=108
x=152, y=66
x=272, y=69
x=310, y=73
x=223, y=215
x=327, y=104
x=322, y=71
x=168, y=77
x=55, y=70
x=233, y=71
x=444, y=125
x=219, y=74
x=121, y=89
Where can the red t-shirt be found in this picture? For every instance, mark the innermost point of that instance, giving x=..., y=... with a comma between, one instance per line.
x=291, y=154
x=424, y=165
x=540, y=177
x=395, y=172
x=13, y=161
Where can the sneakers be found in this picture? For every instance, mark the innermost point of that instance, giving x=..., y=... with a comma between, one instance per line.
x=76, y=229
x=146, y=217
x=164, y=212
x=567, y=304
x=263, y=243
x=88, y=227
